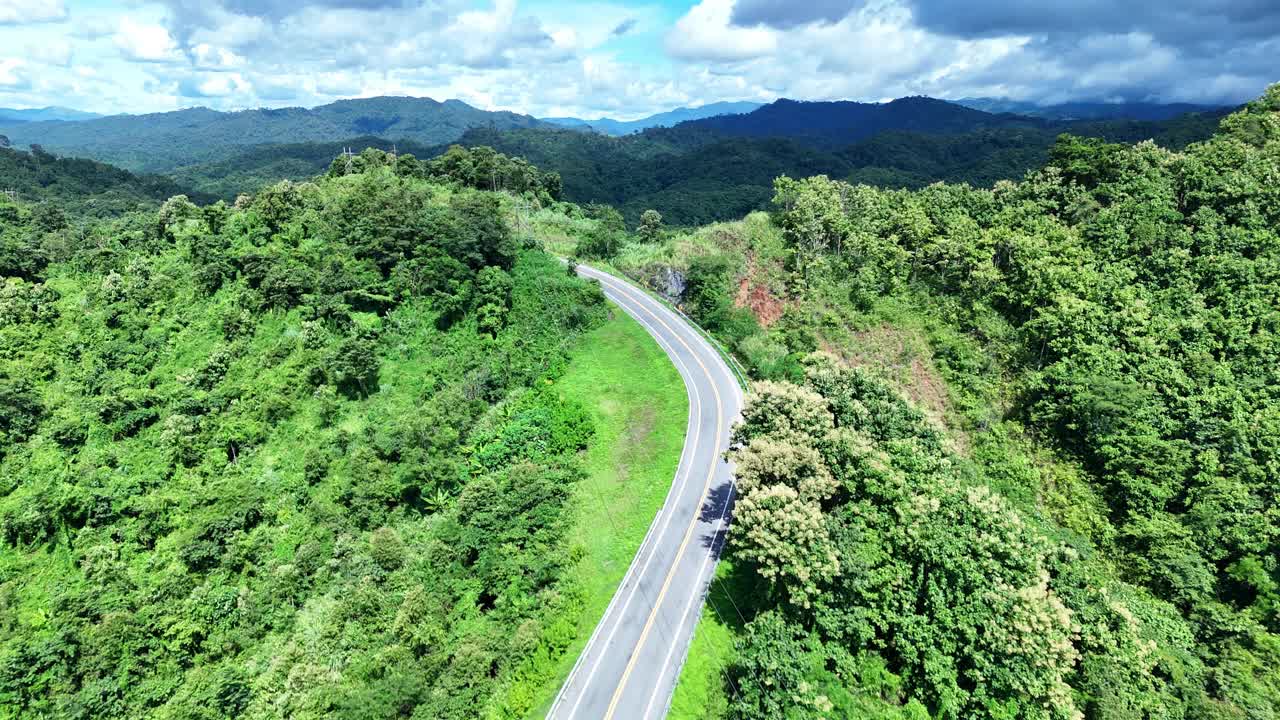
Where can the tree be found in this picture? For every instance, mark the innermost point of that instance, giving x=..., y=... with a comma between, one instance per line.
x=353, y=365
x=650, y=229
x=20, y=412
x=599, y=241
x=493, y=299
x=482, y=236
x=783, y=411
x=783, y=535
x=768, y=462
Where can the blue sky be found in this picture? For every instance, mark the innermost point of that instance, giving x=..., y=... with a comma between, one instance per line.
x=627, y=58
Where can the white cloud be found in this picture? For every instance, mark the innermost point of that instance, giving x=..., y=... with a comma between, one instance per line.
x=208, y=57
x=144, y=42
x=213, y=85
x=705, y=33
x=50, y=52
x=21, y=12
x=13, y=74
x=546, y=57
x=338, y=84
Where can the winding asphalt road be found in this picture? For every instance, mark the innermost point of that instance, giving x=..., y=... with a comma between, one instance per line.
x=633, y=659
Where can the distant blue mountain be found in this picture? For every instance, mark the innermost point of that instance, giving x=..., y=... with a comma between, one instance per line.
x=1087, y=110
x=12, y=115
x=609, y=126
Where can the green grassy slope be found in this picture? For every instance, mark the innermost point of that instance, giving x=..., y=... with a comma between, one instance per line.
x=640, y=408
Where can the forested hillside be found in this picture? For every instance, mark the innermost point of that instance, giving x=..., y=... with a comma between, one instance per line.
x=1032, y=470
x=302, y=457
x=13, y=115
x=251, y=169
x=694, y=175
x=609, y=126
x=697, y=172
x=836, y=124
x=162, y=142
x=1085, y=110
x=80, y=187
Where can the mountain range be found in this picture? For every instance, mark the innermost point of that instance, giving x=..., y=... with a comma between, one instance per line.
x=161, y=142
x=609, y=126
x=1088, y=110
x=14, y=115
x=837, y=123
x=165, y=142
x=695, y=171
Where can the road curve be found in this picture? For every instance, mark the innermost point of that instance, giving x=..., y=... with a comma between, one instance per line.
x=631, y=663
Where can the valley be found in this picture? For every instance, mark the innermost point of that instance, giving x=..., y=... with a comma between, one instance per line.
x=399, y=408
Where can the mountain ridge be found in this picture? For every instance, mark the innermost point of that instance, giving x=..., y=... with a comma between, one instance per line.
x=609, y=126
x=52, y=112
x=160, y=142
x=832, y=123
x=1089, y=109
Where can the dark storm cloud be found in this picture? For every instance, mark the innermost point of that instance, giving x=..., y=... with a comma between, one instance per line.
x=784, y=14
x=1202, y=26
x=1180, y=23
x=624, y=27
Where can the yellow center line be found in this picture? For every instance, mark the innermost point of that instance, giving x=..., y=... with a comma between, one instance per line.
x=693, y=521
x=650, y=549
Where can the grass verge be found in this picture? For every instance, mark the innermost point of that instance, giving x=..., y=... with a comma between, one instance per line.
x=641, y=409
x=702, y=692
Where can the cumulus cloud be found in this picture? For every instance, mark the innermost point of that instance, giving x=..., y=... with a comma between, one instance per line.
x=52, y=52
x=212, y=85
x=144, y=42
x=13, y=74
x=628, y=58
x=21, y=12
x=1198, y=50
x=207, y=57
x=706, y=33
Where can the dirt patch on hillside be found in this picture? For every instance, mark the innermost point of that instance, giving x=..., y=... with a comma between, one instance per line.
x=755, y=295
x=903, y=358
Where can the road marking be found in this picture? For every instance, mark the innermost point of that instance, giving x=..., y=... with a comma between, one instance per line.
x=666, y=585
x=666, y=522
x=711, y=554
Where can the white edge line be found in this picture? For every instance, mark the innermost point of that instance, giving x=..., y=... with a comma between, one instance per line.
x=690, y=392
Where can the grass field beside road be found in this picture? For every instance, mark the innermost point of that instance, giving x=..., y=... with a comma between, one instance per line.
x=641, y=409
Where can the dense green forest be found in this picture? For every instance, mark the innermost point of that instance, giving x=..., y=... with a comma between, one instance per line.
x=80, y=187
x=834, y=124
x=697, y=172
x=164, y=142
x=301, y=457
x=1032, y=470
x=693, y=175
